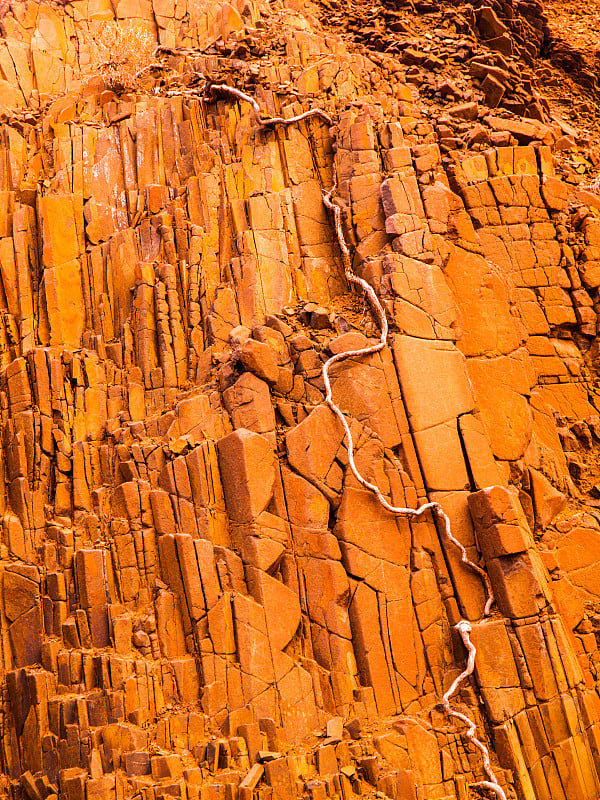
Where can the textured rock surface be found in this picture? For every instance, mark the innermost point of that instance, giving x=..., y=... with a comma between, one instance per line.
x=197, y=598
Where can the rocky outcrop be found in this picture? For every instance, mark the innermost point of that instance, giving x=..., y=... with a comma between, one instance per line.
x=198, y=598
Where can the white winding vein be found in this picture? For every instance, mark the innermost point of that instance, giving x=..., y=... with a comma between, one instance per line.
x=463, y=627
x=223, y=88
x=380, y=314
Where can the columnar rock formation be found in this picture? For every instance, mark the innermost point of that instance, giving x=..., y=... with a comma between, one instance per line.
x=198, y=599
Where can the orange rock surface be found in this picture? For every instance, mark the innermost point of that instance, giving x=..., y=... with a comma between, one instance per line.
x=197, y=598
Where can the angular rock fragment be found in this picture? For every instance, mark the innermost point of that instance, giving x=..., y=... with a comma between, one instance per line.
x=246, y=464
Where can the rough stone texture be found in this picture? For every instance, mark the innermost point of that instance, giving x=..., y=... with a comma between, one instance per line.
x=197, y=598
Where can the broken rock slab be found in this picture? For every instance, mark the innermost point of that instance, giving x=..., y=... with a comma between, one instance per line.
x=247, y=467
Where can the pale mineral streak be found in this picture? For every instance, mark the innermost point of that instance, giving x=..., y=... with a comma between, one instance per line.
x=462, y=626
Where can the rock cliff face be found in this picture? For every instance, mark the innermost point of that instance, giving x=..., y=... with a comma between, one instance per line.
x=198, y=598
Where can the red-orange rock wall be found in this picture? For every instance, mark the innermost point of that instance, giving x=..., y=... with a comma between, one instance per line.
x=191, y=575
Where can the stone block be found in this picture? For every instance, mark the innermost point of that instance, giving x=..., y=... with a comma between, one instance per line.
x=433, y=379
x=246, y=464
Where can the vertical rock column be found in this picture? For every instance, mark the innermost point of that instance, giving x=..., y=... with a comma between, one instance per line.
x=545, y=721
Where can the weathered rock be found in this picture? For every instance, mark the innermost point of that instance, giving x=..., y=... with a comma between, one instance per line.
x=547, y=501
x=246, y=463
x=258, y=358
x=184, y=606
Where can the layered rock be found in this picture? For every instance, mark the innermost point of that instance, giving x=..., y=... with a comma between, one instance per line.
x=195, y=587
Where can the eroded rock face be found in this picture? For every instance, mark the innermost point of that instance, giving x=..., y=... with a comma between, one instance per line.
x=193, y=583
